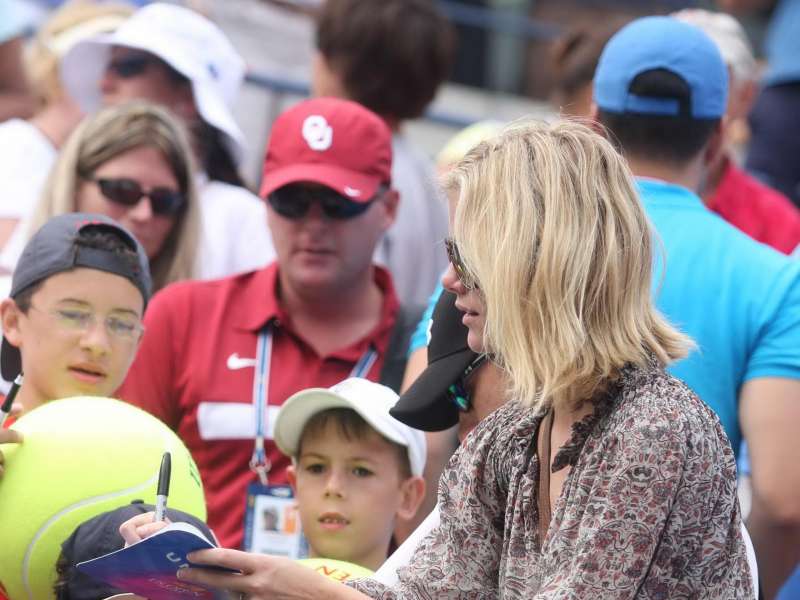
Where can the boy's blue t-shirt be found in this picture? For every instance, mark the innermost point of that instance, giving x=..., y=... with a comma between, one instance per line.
x=738, y=299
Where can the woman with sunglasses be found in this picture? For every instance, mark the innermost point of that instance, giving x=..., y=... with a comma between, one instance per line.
x=132, y=163
x=602, y=476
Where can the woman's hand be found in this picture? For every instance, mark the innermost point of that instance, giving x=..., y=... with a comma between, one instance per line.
x=140, y=527
x=263, y=577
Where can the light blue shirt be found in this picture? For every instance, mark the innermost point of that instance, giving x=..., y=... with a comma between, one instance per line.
x=11, y=20
x=419, y=339
x=782, y=44
x=738, y=299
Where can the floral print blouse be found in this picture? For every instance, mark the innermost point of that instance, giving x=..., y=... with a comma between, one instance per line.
x=648, y=510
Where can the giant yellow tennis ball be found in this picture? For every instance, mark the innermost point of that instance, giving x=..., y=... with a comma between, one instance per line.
x=80, y=457
x=337, y=570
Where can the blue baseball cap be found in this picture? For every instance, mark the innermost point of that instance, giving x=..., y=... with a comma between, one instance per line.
x=653, y=43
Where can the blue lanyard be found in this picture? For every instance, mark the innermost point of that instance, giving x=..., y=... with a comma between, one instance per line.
x=259, y=462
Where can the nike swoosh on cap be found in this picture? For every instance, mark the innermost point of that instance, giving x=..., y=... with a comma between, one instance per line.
x=235, y=362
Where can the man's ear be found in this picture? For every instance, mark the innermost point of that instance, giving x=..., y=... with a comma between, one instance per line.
x=594, y=120
x=291, y=476
x=412, y=492
x=391, y=201
x=9, y=317
x=716, y=143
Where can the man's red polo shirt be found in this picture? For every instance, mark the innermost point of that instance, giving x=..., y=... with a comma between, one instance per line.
x=195, y=369
x=764, y=214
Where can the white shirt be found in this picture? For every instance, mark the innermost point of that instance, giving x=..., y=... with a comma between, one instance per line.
x=412, y=249
x=26, y=156
x=234, y=234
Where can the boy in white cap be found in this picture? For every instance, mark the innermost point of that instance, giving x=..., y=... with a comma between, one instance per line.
x=355, y=470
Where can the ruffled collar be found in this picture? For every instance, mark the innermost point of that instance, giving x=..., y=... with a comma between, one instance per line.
x=604, y=403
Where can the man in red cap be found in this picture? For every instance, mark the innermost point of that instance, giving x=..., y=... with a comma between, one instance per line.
x=220, y=357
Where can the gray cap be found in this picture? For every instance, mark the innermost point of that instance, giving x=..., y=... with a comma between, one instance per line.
x=52, y=250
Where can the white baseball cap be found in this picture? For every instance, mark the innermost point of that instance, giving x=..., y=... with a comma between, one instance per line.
x=370, y=400
x=185, y=40
x=729, y=36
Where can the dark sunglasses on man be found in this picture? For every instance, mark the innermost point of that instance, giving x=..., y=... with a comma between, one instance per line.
x=128, y=192
x=294, y=201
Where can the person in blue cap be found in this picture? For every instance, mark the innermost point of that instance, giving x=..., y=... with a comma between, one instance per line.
x=661, y=90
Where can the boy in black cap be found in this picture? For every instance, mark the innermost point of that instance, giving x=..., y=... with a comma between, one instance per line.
x=72, y=322
x=99, y=536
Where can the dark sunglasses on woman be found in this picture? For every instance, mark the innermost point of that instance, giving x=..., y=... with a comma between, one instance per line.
x=293, y=202
x=134, y=65
x=454, y=256
x=131, y=65
x=128, y=192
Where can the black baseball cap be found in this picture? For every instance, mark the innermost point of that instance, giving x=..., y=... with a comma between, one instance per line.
x=99, y=536
x=425, y=404
x=53, y=249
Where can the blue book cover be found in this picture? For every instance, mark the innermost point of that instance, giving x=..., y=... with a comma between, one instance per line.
x=149, y=568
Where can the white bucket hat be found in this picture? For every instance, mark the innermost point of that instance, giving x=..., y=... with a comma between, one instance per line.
x=370, y=400
x=187, y=42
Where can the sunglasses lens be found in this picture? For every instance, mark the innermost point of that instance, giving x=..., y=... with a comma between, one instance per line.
x=121, y=191
x=336, y=206
x=455, y=259
x=288, y=203
x=165, y=201
x=293, y=202
x=131, y=66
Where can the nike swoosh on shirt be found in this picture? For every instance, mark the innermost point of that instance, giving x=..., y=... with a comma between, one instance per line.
x=235, y=362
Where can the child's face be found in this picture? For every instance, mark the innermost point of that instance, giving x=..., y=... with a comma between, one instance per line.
x=349, y=493
x=78, y=337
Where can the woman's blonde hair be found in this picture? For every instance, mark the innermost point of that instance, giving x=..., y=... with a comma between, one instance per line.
x=108, y=134
x=74, y=21
x=549, y=224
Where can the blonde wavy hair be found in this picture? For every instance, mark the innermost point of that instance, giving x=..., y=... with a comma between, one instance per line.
x=106, y=135
x=549, y=225
x=72, y=22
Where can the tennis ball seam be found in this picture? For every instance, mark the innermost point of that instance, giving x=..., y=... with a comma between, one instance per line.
x=65, y=511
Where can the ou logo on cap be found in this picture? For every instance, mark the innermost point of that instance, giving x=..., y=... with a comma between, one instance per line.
x=317, y=133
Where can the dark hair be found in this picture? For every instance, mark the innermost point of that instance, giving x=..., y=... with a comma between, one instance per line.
x=351, y=426
x=97, y=237
x=391, y=55
x=575, y=55
x=673, y=140
x=61, y=586
x=215, y=157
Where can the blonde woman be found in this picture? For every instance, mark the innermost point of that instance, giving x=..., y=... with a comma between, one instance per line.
x=134, y=164
x=602, y=476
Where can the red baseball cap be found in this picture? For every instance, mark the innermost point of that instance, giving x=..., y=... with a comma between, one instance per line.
x=333, y=142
